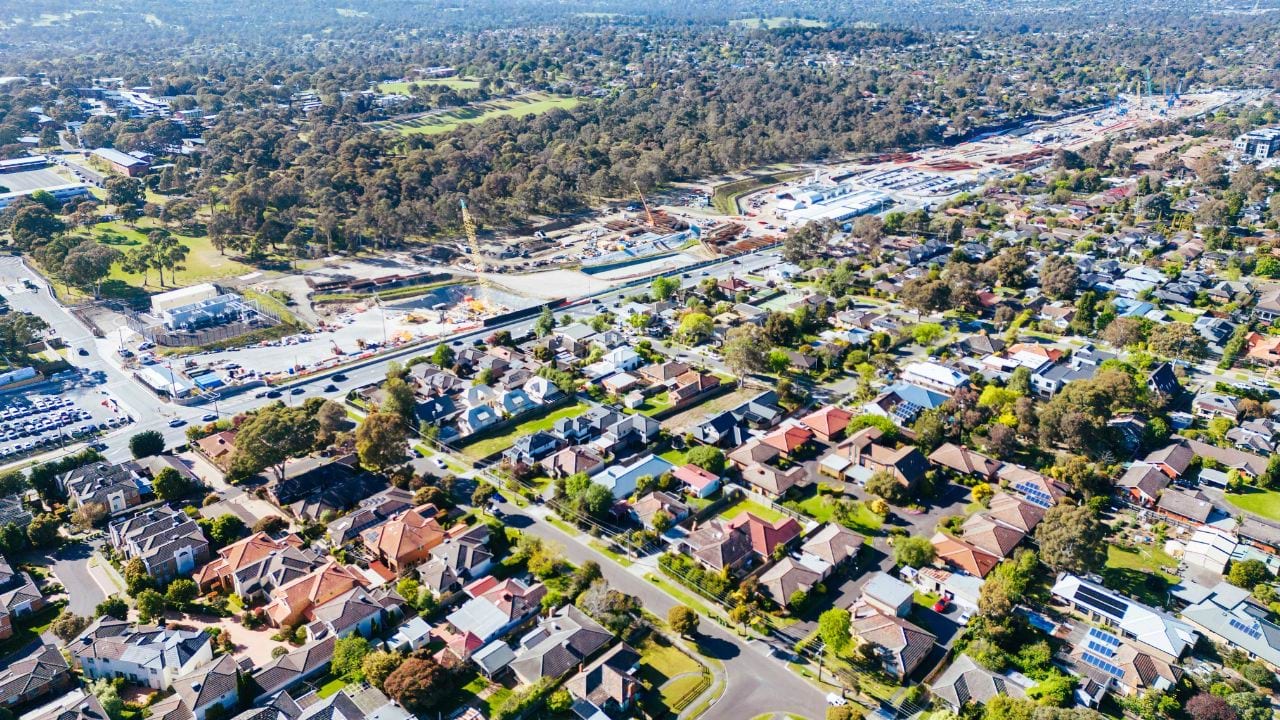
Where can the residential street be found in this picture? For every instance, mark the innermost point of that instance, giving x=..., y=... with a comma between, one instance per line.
x=757, y=683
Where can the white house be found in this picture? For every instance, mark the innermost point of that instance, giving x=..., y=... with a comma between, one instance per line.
x=933, y=376
x=623, y=358
x=154, y=657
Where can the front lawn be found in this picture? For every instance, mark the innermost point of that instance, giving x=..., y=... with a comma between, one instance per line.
x=497, y=443
x=28, y=628
x=669, y=671
x=1263, y=503
x=763, y=512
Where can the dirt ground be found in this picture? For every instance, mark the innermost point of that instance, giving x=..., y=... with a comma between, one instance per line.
x=683, y=421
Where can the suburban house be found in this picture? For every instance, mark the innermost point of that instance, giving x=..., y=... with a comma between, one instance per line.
x=702, y=483
x=154, y=657
x=115, y=487
x=494, y=609
x=608, y=686
x=828, y=423
x=718, y=545
x=964, y=461
x=965, y=681
x=648, y=508
x=167, y=541
x=789, y=576
x=358, y=610
x=1142, y=483
x=371, y=511
x=220, y=572
x=622, y=479
x=1228, y=617
x=406, y=539
x=213, y=688
x=766, y=536
x=218, y=448
x=457, y=561
x=19, y=596
x=41, y=672
x=296, y=600
x=863, y=451
x=900, y=645
x=1189, y=507
x=558, y=644
x=293, y=668
x=964, y=556
x=1108, y=662
x=1132, y=619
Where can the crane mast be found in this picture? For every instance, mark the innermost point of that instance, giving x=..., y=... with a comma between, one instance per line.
x=469, y=227
x=645, y=203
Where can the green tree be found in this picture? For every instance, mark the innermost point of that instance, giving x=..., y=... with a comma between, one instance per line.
x=745, y=350
x=68, y=625
x=545, y=323
x=915, y=552
x=349, y=654
x=381, y=441
x=834, y=628
x=146, y=443
x=43, y=530
x=695, y=328
x=443, y=356
x=663, y=288
x=885, y=484
x=169, y=484
x=136, y=577
x=226, y=529
x=273, y=435
x=1072, y=539
x=150, y=605
x=707, y=457
x=682, y=620
x=108, y=696
x=377, y=665
x=114, y=607
x=1248, y=574
x=181, y=592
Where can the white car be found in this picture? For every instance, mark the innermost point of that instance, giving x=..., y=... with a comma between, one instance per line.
x=836, y=700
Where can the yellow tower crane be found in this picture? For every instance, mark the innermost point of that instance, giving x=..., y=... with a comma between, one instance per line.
x=469, y=227
x=645, y=203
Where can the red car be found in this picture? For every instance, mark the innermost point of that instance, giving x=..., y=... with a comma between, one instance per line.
x=940, y=606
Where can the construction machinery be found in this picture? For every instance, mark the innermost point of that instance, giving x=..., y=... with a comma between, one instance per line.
x=469, y=227
x=645, y=203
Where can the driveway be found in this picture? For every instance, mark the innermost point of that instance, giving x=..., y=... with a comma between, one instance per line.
x=70, y=564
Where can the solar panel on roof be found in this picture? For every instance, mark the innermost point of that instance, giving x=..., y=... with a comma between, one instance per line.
x=1103, y=665
x=1100, y=602
x=1033, y=493
x=1101, y=649
x=1104, y=636
x=1249, y=630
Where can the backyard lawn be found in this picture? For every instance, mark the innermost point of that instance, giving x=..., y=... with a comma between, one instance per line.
x=331, y=687
x=823, y=507
x=763, y=512
x=1263, y=503
x=1138, y=574
x=488, y=446
x=654, y=405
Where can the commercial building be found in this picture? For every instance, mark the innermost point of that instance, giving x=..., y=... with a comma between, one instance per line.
x=123, y=163
x=1258, y=144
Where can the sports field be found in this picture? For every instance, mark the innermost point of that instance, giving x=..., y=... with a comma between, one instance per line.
x=443, y=122
x=402, y=87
